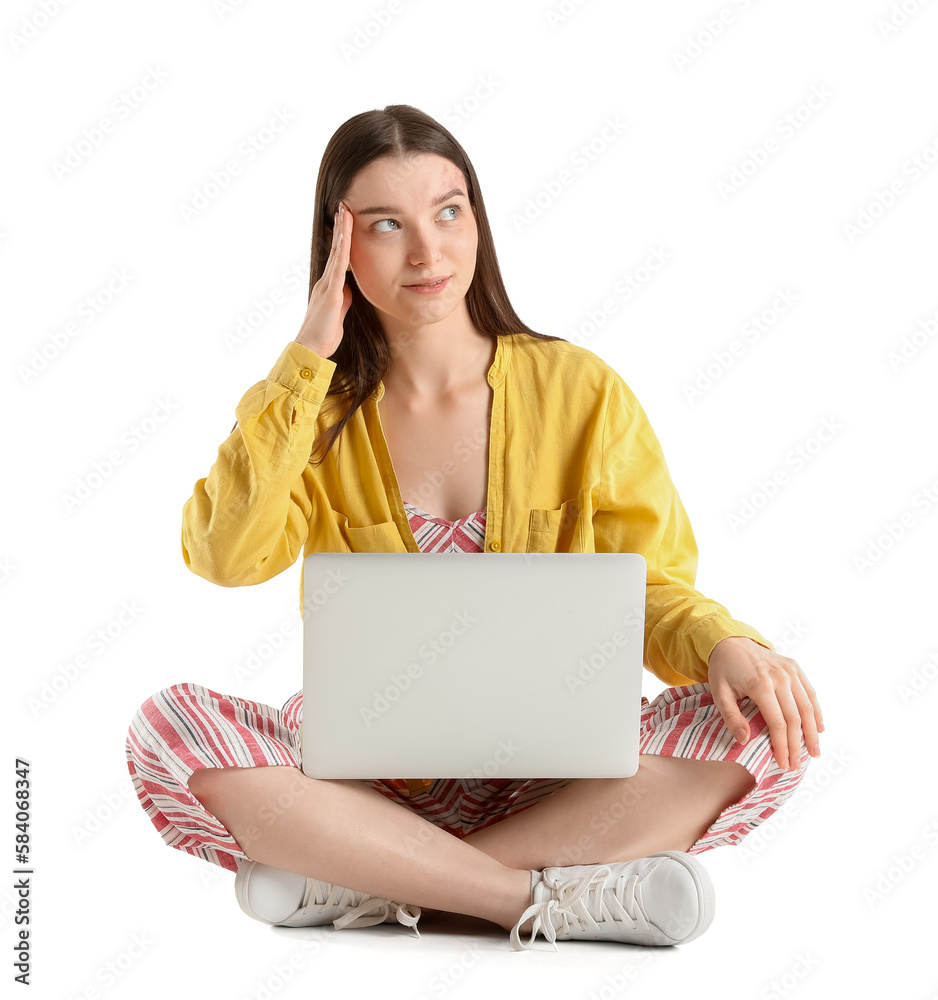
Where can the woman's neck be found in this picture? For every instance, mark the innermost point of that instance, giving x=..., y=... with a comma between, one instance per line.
x=431, y=362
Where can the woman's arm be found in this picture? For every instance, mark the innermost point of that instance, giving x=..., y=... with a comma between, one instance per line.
x=687, y=635
x=249, y=518
x=639, y=510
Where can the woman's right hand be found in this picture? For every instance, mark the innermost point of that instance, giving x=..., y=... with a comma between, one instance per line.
x=329, y=301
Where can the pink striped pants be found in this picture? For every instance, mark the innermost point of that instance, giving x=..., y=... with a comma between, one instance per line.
x=187, y=726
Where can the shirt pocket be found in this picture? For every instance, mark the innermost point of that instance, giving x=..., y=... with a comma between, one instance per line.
x=383, y=537
x=553, y=530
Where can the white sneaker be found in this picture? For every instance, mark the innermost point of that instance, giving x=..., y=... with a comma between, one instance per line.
x=289, y=900
x=664, y=899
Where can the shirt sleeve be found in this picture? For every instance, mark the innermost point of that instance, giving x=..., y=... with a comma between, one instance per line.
x=639, y=510
x=248, y=519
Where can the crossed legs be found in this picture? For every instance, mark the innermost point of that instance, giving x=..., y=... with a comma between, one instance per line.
x=343, y=832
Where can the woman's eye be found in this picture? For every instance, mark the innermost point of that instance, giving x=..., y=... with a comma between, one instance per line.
x=455, y=209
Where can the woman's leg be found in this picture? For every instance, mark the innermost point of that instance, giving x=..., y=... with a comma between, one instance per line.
x=696, y=788
x=186, y=727
x=665, y=806
x=242, y=757
x=343, y=832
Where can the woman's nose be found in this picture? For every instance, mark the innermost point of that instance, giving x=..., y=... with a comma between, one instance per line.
x=424, y=250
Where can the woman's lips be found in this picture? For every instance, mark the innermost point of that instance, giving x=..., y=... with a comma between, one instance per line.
x=429, y=289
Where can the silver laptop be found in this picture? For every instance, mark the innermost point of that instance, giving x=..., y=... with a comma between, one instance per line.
x=521, y=665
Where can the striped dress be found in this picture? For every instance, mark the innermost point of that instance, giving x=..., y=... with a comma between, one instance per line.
x=188, y=726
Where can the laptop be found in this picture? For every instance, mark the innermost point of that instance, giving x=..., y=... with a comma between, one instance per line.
x=528, y=665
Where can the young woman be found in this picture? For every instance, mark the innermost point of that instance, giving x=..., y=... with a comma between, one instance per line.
x=415, y=412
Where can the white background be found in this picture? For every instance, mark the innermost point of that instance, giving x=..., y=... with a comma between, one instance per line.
x=522, y=86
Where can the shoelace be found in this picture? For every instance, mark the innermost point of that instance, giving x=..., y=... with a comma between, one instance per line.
x=574, y=901
x=366, y=910
x=326, y=894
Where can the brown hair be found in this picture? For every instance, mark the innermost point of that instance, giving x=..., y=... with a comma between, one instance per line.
x=364, y=355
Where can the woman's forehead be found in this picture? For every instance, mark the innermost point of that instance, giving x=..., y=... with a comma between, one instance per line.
x=420, y=173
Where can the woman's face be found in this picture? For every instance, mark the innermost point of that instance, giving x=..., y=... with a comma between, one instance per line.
x=412, y=223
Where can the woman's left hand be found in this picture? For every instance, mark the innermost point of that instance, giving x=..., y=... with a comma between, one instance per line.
x=739, y=668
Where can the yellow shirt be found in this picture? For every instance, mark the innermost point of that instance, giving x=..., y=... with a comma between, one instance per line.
x=574, y=466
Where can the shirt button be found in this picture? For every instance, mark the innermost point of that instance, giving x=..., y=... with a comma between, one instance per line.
x=306, y=373
x=494, y=546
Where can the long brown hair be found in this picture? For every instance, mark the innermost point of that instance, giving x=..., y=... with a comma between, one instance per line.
x=364, y=356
